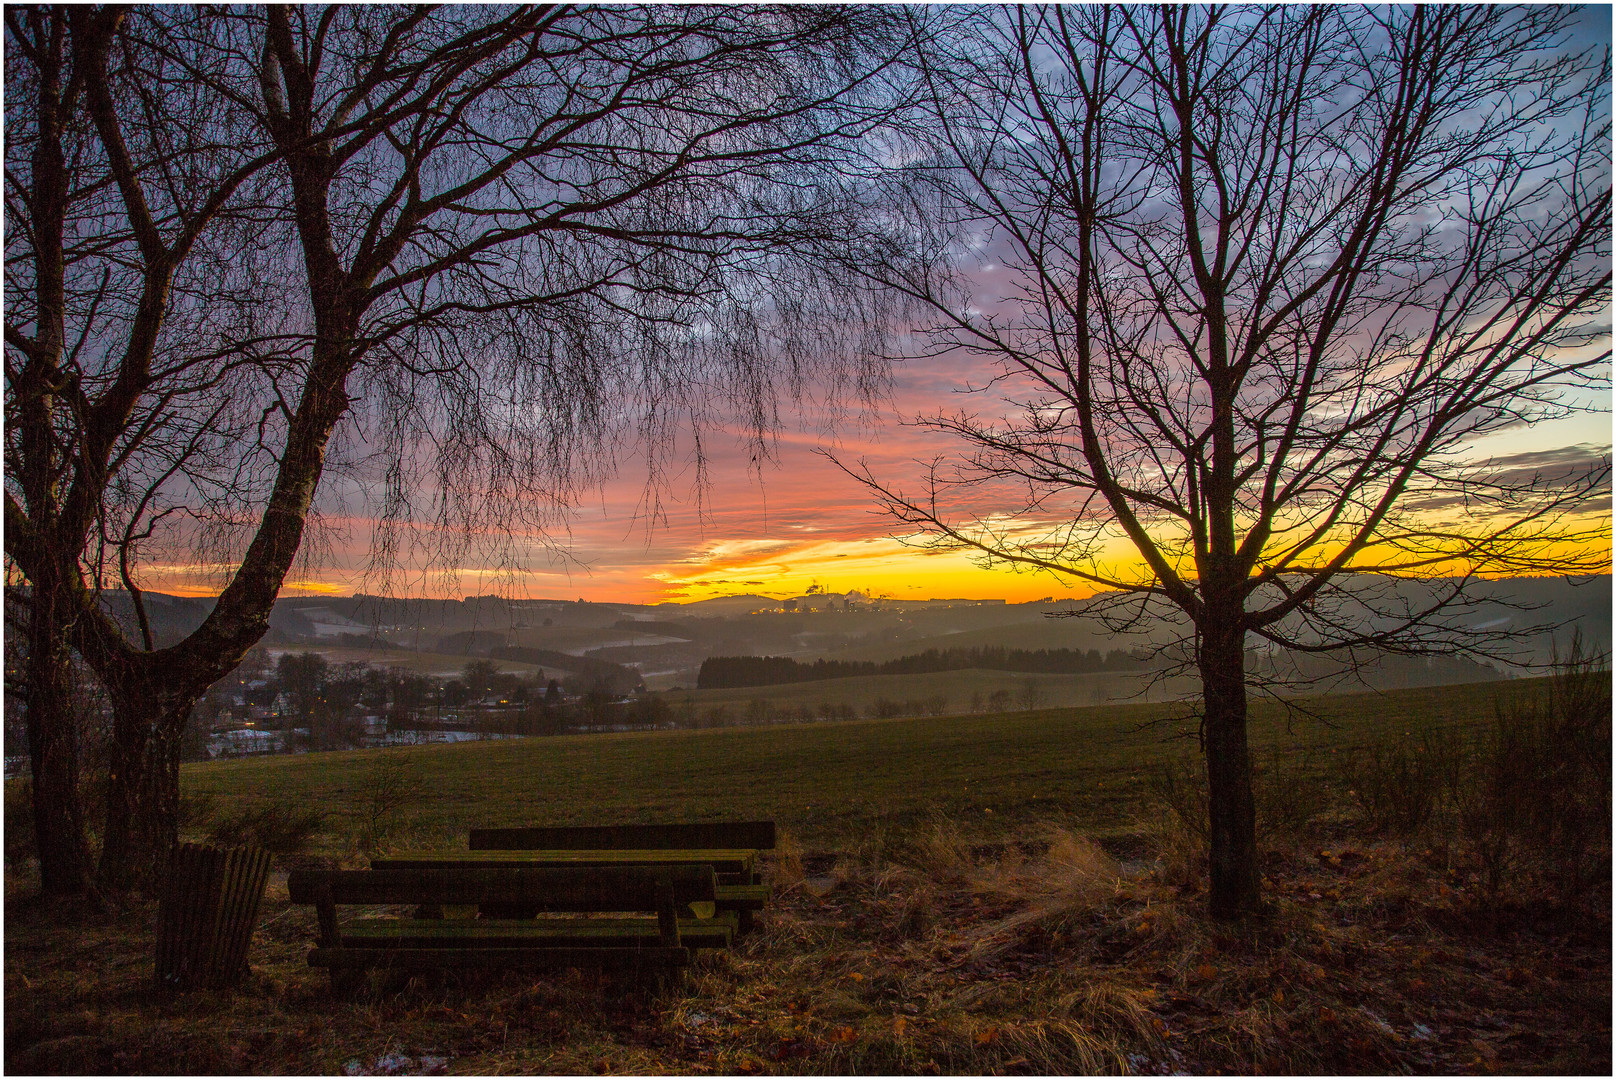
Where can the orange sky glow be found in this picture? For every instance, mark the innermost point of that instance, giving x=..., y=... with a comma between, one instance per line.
x=801, y=523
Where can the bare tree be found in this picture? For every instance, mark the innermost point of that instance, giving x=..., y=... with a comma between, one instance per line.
x=526, y=237
x=1256, y=281
x=115, y=398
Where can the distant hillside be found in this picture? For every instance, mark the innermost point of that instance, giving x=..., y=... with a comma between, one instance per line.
x=723, y=672
x=666, y=644
x=721, y=605
x=583, y=673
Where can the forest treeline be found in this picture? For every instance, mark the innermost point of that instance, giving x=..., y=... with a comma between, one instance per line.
x=729, y=672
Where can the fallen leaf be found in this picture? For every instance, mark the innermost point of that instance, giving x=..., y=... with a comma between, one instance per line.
x=900, y=1025
x=843, y=1034
x=1206, y=971
x=1279, y=997
x=1326, y=1014
x=789, y=1048
x=986, y=1036
x=856, y=976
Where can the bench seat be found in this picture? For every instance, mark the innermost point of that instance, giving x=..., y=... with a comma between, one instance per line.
x=714, y=835
x=735, y=864
x=635, y=932
x=730, y=847
x=347, y=958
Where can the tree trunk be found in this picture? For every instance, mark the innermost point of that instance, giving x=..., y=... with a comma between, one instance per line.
x=143, y=795
x=1231, y=806
x=53, y=746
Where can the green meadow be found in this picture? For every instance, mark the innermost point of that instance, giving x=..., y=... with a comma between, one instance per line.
x=829, y=784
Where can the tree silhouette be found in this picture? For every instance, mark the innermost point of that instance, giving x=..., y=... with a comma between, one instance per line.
x=460, y=258
x=1257, y=283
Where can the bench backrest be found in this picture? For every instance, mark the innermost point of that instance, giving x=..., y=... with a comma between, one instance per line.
x=757, y=835
x=593, y=888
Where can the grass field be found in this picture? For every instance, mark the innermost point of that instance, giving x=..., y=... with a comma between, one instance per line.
x=826, y=782
x=994, y=894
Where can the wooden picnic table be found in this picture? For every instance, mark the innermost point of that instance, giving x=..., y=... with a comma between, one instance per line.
x=664, y=940
x=732, y=848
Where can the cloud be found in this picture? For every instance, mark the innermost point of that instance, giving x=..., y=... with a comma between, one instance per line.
x=1564, y=468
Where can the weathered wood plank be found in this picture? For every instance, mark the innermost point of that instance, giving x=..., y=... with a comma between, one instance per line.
x=563, y=956
x=758, y=835
x=714, y=933
x=741, y=897
x=602, y=888
x=734, y=863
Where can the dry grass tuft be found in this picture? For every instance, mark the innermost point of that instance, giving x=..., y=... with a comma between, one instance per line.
x=943, y=854
x=785, y=870
x=1122, y=1012
x=1073, y=882
x=1063, y=1048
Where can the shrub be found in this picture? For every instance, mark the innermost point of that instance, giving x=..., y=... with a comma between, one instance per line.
x=1289, y=791
x=197, y=810
x=1399, y=784
x=1179, y=790
x=1537, y=799
x=389, y=786
x=276, y=827
x=19, y=809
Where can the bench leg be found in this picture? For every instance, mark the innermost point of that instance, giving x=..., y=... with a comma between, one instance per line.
x=346, y=982
x=667, y=918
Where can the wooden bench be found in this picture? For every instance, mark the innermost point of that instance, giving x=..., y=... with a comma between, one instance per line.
x=740, y=882
x=661, y=939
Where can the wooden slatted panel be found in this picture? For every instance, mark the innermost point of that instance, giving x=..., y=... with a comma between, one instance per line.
x=207, y=913
x=196, y=908
x=732, y=863
x=599, y=888
x=757, y=835
x=519, y=933
x=246, y=875
x=359, y=959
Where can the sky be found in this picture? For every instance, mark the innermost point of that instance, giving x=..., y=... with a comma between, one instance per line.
x=783, y=526
x=775, y=528
x=796, y=522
